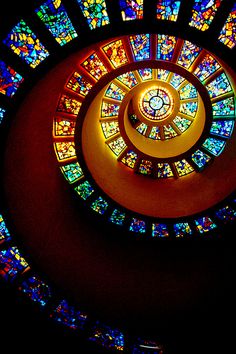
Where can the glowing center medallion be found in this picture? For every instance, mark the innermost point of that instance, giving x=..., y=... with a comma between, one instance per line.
x=156, y=103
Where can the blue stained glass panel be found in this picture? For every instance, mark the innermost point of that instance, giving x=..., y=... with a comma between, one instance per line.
x=107, y=337
x=224, y=107
x=37, y=290
x=69, y=316
x=168, y=9
x=188, y=54
x=10, y=80
x=165, y=47
x=159, y=230
x=140, y=44
x=95, y=12
x=205, y=224
x=214, y=146
x=2, y=113
x=222, y=128
x=226, y=214
x=11, y=263
x=200, y=158
x=182, y=230
x=138, y=226
x=219, y=86
x=131, y=9
x=4, y=232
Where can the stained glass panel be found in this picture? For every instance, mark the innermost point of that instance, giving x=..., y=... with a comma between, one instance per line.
x=116, y=53
x=169, y=131
x=12, y=263
x=214, y=146
x=115, y=92
x=72, y=172
x=84, y=190
x=182, y=230
x=164, y=170
x=100, y=205
x=228, y=32
x=108, y=337
x=205, y=224
x=176, y=80
x=163, y=74
x=189, y=108
x=117, y=217
x=140, y=44
x=110, y=109
x=155, y=133
x=110, y=128
x=146, y=74
x=26, y=45
x=183, y=167
x=131, y=9
x=188, y=91
x=64, y=127
x=182, y=123
x=203, y=13
x=130, y=159
x=79, y=84
x=2, y=113
x=53, y=14
x=95, y=12
x=65, y=150
x=128, y=79
x=69, y=316
x=117, y=145
x=165, y=47
x=4, y=232
x=168, y=9
x=68, y=105
x=200, y=158
x=224, y=108
x=94, y=66
x=159, y=230
x=188, y=54
x=10, y=80
x=226, y=214
x=219, y=86
x=142, y=128
x=206, y=68
x=138, y=225
x=222, y=128
x=145, y=167
x=37, y=290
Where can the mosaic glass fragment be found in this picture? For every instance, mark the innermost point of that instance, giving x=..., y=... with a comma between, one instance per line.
x=12, y=263
x=4, y=232
x=69, y=316
x=107, y=337
x=226, y=214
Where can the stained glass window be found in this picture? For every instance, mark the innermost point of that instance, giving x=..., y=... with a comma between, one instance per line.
x=206, y=68
x=222, y=128
x=2, y=113
x=64, y=127
x=72, y=172
x=12, y=263
x=79, y=84
x=115, y=92
x=228, y=32
x=140, y=44
x=205, y=224
x=117, y=145
x=4, y=232
x=10, y=80
x=183, y=167
x=165, y=47
x=68, y=105
x=155, y=133
x=189, y=108
x=131, y=9
x=84, y=190
x=169, y=132
x=110, y=109
x=188, y=54
x=57, y=21
x=145, y=167
x=142, y=128
x=108, y=337
x=182, y=230
x=203, y=13
x=219, y=86
x=164, y=170
x=168, y=9
x=24, y=43
x=94, y=66
x=159, y=230
x=214, y=146
x=162, y=74
x=137, y=225
x=116, y=53
x=100, y=205
x=182, y=123
x=69, y=316
x=65, y=150
x=95, y=12
x=176, y=80
x=224, y=108
x=145, y=73
x=130, y=158
x=117, y=217
x=37, y=290
x=128, y=79
x=188, y=91
x=226, y=214
x=110, y=128
x=200, y=158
